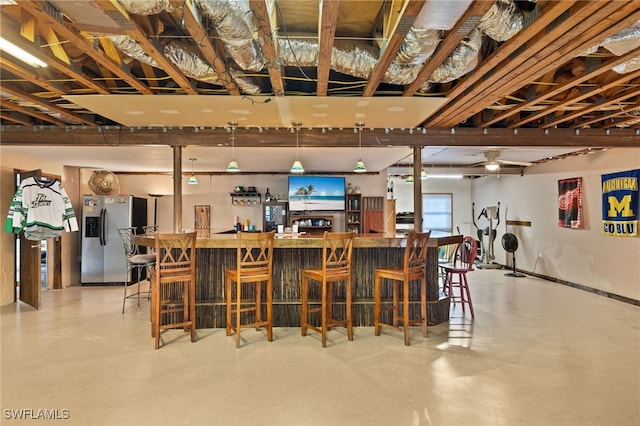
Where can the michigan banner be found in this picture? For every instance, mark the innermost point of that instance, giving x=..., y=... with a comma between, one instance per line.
x=620, y=203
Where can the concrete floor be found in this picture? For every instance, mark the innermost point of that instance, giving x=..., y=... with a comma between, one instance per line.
x=538, y=353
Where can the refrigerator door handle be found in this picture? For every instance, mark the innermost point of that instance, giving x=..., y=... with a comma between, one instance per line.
x=103, y=227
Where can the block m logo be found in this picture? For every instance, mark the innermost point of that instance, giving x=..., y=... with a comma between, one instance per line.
x=620, y=208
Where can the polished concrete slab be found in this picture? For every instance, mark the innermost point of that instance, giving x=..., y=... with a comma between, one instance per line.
x=538, y=353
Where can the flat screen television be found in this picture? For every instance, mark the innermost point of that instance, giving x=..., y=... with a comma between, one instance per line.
x=316, y=193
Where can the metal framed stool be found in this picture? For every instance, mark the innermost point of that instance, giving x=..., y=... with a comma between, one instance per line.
x=135, y=261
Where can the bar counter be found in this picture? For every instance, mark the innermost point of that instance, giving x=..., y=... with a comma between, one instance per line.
x=218, y=251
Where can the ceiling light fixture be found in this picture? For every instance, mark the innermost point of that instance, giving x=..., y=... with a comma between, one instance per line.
x=492, y=166
x=409, y=179
x=423, y=174
x=297, y=165
x=192, y=180
x=360, y=167
x=24, y=56
x=233, y=164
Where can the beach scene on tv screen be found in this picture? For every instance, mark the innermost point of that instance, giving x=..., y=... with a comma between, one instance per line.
x=316, y=193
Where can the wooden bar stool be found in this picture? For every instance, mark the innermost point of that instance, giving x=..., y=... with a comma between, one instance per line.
x=173, y=286
x=413, y=269
x=463, y=262
x=337, y=248
x=253, y=266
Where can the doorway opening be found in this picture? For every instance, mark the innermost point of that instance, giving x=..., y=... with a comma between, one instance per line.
x=37, y=265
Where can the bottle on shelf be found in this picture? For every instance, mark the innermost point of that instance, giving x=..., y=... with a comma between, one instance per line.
x=267, y=196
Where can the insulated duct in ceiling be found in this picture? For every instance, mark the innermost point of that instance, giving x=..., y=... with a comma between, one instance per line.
x=233, y=23
x=502, y=21
x=181, y=54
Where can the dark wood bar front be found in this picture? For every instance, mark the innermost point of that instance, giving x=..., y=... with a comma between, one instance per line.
x=218, y=252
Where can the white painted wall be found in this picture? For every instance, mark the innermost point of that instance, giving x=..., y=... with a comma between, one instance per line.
x=460, y=188
x=582, y=256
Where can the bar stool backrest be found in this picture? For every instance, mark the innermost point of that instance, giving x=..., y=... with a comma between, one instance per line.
x=127, y=235
x=415, y=253
x=255, y=253
x=175, y=256
x=466, y=253
x=337, y=248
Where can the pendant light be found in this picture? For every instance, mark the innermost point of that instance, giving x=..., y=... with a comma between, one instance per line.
x=192, y=180
x=360, y=167
x=233, y=164
x=297, y=165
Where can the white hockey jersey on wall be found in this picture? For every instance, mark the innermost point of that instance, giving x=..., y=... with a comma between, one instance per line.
x=40, y=208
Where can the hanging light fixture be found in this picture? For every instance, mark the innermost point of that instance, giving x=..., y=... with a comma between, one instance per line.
x=297, y=165
x=233, y=164
x=409, y=179
x=360, y=167
x=423, y=174
x=192, y=180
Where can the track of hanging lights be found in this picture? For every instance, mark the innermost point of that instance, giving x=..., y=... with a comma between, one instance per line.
x=192, y=179
x=233, y=164
x=297, y=165
x=360, y=167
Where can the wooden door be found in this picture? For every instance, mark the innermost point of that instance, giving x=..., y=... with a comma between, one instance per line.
x=30, y=280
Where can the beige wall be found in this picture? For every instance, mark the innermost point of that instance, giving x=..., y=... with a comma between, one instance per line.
x=213, y=190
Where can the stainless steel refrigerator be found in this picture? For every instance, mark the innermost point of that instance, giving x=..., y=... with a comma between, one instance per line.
x=103, y=259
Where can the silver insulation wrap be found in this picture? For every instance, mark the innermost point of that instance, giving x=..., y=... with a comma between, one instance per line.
x=232, y=20
x=146, y=7
x=463, y=59
x=418, y=46
x=234, y=23
x=502, y=21
x=181, y=55
x=620, y=44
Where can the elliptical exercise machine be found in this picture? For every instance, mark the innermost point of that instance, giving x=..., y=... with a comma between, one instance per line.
x=490, y=213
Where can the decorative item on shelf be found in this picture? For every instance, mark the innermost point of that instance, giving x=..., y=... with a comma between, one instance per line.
x=297, y=165
x=267, y=196
x=360, y=167
x=239, y=189
x=192, y=179
x=233, y=164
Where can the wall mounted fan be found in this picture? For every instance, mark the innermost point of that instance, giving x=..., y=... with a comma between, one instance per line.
x=103, y=182
x=494, y=162
x=510, y=245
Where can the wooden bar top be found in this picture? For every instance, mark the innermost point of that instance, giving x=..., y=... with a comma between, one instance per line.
x=307, y=241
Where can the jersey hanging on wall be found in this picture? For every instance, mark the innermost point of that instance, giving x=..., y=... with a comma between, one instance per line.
x=620, y=203
x=40, y=208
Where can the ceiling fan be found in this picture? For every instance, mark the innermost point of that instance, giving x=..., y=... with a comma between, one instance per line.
x=493, y=161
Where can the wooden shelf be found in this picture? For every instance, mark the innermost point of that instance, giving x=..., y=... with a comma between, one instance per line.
x=353, y=213
x=242, y=195
x=313, y=224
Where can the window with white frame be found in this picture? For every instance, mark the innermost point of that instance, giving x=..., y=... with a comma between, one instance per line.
x=437, y=212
